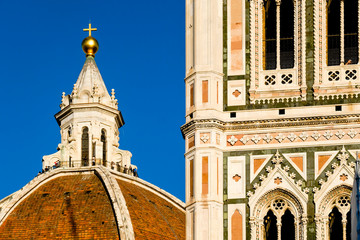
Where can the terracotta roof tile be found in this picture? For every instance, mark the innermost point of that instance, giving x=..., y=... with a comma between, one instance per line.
x=153, y=217
x=67, y=207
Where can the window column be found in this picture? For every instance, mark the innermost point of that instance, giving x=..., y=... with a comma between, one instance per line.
x=342, y=26
x=278, y=3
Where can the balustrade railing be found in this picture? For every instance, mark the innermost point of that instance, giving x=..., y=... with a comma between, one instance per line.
x=278, y=79
x=86, y=163
x=342, y=75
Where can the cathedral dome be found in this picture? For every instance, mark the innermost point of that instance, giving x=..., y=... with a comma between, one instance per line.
x=91, y=203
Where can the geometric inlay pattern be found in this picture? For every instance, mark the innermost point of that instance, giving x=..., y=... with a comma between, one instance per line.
x=270, y=80
x=236, y=177
x=291, y=138
x=334, y=76
x=286, y=79
x=278, y=180
x=343, y=177
x=350, y=74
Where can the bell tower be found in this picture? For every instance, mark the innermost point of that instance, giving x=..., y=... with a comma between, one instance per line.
x=204, y=98
x=272, y=118
x=89, y=120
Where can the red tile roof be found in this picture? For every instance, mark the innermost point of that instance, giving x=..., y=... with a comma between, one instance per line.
x=152, y=217
x=67, y=207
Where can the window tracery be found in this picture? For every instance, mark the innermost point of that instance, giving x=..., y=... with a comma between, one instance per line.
x=277, y=56
x=275, y=213
x=332, y=214
x=336, y=45
x=339, y=222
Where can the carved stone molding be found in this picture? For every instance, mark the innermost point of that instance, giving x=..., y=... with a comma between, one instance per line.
x=296, y=137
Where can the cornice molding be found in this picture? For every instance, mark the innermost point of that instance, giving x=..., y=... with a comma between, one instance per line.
x=87, y=107
x=269, y=123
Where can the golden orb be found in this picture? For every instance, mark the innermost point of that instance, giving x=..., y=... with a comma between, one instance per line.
x=90, y=46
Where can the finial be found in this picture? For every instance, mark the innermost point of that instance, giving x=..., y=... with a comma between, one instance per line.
x=113, y=94
x=75, y=90
x=62, y=105
x=90, y=45
x=89, y=29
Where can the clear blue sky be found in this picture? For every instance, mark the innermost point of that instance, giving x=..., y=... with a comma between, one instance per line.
x=141, y=56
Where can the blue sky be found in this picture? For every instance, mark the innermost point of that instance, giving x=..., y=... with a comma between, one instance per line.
x=141, y=56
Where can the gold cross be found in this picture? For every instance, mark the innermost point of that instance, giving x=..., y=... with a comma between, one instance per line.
x=89, y=29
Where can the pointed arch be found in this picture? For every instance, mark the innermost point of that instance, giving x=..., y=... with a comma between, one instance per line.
x=280, y=202
x=339, y=198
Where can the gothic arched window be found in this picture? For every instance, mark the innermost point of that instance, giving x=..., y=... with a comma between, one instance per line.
x=103, y=140
x=342, y=32
x=278, y=34
x=85, y=147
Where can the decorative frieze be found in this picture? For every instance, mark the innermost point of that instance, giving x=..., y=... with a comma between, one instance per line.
x=294, y=137
x=271, y=123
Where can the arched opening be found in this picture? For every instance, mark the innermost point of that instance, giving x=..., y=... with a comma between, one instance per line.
x=333, y=32
x=69, y=132
x=103, y=140
x=288, y=225
x=85, y=147
x=336, y=206
x=335, y=225
x=270, y=208
x=287, y=34
x=269, y=35
x=270, y=226
x=351, y=44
